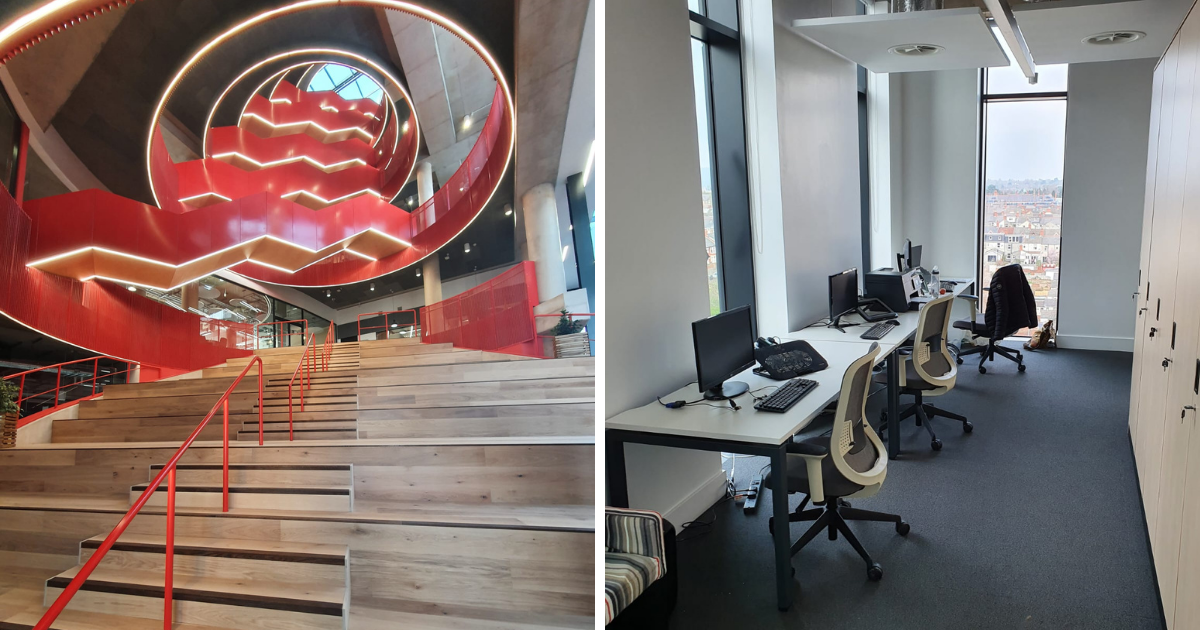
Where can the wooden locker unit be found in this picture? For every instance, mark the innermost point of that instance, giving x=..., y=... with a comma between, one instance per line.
x=1142, y=296
x=1168, y=205
x=1182, y=337
x=1186, y=614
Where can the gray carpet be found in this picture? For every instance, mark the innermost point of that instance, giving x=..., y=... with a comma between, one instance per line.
x=1032, y=521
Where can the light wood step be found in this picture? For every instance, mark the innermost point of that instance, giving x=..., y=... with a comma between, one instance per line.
x=264, y=561
x=311, y=397
x=75, y=620
x=282, y=425
x=312, y=498
x=207, y=601
x=500, y=420
x=315, y=392
x=300, y=434
x=287, y=475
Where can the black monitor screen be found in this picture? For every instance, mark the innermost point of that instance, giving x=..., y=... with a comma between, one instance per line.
x=724, y=346
x=915, y=257
x=843, y=292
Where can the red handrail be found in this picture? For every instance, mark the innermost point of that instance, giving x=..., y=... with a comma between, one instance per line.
x=328, y=353
x=416, y=320
x=168, y=471
x=58, y=384
x=303, y=334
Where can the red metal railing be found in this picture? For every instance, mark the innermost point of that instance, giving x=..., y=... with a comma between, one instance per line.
x=494, y=316
x=385, y=326
x=55, y=394
x=168, y=472
x=275, y=336
x=547, y=349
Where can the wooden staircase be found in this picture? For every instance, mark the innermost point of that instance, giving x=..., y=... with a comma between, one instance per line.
x=453, y=488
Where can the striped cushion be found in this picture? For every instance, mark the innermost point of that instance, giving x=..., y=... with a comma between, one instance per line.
x=626, y=575
x=634, y=558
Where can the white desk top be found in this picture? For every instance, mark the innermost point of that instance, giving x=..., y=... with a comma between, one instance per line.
x=722, y=422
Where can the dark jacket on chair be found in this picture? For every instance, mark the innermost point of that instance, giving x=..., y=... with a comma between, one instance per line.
x=1010, y=305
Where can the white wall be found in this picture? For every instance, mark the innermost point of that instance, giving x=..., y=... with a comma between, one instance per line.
x=939, y=168
x=654, y=255
x=416, y=297
x=1108, y=115
x=818, y=152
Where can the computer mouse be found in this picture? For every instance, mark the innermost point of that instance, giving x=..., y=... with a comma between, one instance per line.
x=894, y=322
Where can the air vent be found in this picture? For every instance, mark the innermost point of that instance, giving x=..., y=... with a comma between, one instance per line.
x=915, y=50
x=1113, y=37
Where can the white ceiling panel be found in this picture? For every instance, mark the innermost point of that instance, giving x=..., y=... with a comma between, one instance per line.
x=963, y=34
x=1055, y=31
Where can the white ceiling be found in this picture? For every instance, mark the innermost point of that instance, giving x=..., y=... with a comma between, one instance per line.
x=1055, y=31
x=866, y=39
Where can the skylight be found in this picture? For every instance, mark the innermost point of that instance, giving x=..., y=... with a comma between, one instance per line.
x=350, y=84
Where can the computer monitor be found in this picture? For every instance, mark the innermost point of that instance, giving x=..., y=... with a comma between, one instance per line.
x=843, y=292
x=907, y=252
x=914, y=258
x=724, y=348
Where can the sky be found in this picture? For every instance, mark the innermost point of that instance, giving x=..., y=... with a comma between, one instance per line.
x=1025, y=140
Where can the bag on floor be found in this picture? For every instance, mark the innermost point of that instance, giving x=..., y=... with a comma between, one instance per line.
x=1041, y=338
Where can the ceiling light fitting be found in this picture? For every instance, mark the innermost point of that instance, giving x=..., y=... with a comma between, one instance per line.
x=916, y=50
x=1113, y=37
x=372, y=286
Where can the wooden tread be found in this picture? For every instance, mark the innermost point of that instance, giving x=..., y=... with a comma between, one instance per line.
x=306, y=553
x=76, y=620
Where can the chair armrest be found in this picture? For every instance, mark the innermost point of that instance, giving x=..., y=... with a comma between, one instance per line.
x=639, y=532
x=812, y=454
x=973, y=298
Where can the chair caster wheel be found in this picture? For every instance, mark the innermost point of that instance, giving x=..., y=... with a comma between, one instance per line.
x=875, y=572
x=982, y=370
x=936, y=444
x=1021, y=367
x=959, y=360
x=968, y=427
x=843, y=503
x=902, y=528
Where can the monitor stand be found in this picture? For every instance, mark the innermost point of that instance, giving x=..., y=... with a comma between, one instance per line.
x=727, y=390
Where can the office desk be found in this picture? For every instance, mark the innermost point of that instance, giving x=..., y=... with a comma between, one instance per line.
x=889, y=350
x=720, y=428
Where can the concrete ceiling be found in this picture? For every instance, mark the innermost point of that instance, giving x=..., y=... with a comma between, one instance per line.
x=448, y=81
x=548, y=37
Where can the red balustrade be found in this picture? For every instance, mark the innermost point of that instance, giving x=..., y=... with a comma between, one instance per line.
x=310, y=361
x=168, y=473
x=60, y=395
x=495, y=316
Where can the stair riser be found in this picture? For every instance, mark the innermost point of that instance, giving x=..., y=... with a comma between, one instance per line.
x=251, y=501
x=309, y=405
x=199, y=613
x=308, y=424
x=311, y=397
x=273, y=478
x=314, y=392
x=270, y=415
x=223, y=568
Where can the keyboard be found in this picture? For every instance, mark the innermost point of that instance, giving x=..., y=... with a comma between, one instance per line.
x=878, y=331
x=787, y=395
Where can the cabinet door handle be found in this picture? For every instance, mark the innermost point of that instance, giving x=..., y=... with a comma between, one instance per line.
x=1152, y=331
x=1167, y=362
x=1183, y=414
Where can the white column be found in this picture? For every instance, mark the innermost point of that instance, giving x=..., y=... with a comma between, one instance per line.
x=545, y=244
x=431, y=273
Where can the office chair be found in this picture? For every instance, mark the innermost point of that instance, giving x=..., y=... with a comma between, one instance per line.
x=851, y=462
x=1010, y=308
x=928, y=369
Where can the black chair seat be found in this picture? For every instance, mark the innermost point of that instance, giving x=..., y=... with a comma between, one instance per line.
x=977, y=327
x=860, y=458
x=912, y=380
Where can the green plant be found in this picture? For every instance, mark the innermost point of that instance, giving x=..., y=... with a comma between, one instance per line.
x=8, y=398
x=566, y=326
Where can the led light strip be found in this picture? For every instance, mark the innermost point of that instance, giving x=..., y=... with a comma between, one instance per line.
x=309, y=4
x=310, y=123
x=329, y=108
x=359, y=254
x=302, y=158
x=297, y=193
x=207, y=194
x=280, y=100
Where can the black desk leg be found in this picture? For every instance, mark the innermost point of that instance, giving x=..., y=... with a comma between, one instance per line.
x=783, y=533
x=614, y=462
x=893, y=397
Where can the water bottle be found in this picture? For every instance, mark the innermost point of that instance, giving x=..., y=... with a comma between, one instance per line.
x=936, y=288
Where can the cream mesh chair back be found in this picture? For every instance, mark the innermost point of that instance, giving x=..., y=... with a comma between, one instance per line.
x=931, y=356
x=851, y=431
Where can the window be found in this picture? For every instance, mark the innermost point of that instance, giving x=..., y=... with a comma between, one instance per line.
x=721, y=134
x=349, y=83
x=707, y=167
x=1021, y=202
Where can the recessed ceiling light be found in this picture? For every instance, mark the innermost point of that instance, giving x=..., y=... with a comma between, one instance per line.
x=395, y=325
x=328, y=293
x=916, y=50
x=132, y=288
x=508, y=211
x=466, y=248
x=372, y=286
x=1113, y=37
x=418, y=273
